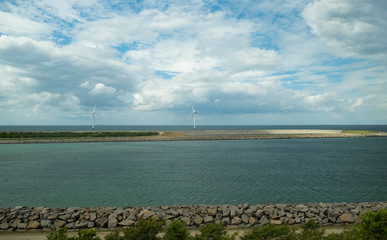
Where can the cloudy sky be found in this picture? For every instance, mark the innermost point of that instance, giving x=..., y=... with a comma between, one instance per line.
x=236, y=61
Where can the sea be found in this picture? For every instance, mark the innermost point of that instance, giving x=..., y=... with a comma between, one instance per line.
x=213, y=172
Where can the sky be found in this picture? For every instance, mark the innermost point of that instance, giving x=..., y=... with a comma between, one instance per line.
x=237, y=62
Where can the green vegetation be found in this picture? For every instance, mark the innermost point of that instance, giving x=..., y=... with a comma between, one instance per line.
x=359, y=131
x=373, y=226
x=268, y=231
x=61, y=234
x=59, y=135
x=176, y=231
x=213, y=231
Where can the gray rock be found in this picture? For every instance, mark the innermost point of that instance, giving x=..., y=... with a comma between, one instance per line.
x=22, y=225
x=90, y=224
x=245, y=218
x=263, y=220
x=276, y=222
x=198, y=220
x=93, y=216
x=52, y=216
x=186, y=220
x=81, y=224
x=226, y=221
x=252, y=221
x=33, y=225
x=112, y=222
x=127, y=222
x=70, y=225
x=4, y=226
x=15, y=223
x=225, y=212
x=148, y=214
x=45, y=223
x=208, y=219
x=132, y=217
x=101, y=222
x=64, y=217
x=236, y=221
x=259, y=213
x=59, y=224
x=347, y=217
x=212, y=211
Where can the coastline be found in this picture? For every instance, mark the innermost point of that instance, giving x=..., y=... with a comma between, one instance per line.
x=198, y=135
x=21, y=218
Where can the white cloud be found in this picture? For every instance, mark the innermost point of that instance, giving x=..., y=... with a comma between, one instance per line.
x=244, y=58
x=100, y=88
x=350, y=28
x=16, y=25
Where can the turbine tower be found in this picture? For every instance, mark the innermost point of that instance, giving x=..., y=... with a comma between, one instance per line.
x=194, y=117
x=93, y=119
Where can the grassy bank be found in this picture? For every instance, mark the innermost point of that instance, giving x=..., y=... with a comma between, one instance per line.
x=70, y=135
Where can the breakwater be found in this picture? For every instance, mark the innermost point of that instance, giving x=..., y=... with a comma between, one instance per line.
x=25, y=218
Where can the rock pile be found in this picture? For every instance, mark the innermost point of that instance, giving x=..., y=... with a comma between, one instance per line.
x=25, y=218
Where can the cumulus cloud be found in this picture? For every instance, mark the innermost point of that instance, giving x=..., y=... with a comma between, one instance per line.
x=243, y=59
x=350, y=28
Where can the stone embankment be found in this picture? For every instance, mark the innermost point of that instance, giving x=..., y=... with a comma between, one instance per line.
x=24, y=218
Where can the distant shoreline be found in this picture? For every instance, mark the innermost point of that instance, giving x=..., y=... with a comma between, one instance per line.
x=198, y=135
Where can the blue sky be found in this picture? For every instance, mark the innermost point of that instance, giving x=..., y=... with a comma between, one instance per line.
x=237, y=62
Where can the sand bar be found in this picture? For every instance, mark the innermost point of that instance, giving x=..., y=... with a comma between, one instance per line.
x=196, y=135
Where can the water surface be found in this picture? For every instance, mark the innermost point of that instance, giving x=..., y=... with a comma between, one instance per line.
x=194, y=172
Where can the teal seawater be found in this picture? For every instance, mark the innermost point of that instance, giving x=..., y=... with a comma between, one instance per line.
x=194, y=172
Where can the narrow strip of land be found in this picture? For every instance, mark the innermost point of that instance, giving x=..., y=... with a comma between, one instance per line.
x=194, y=135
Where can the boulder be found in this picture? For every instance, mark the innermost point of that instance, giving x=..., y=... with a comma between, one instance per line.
x=112, y=222
x=52, y=216
x=149, y=214
x=4, y=226
x=186, y=220
x=70, y=225
x=59, y=224
x=259, y=213
x=127, y=222
x=45, y=223
x=22, y=225
x=101, y=222
x=208, y=219
x=81, y=224
x=245, y=218
x=252, y=221
x=15, y=223
x=226, y=221
x=198, y=220
x=264, y=220
x=33, y=225
x=93, y=216
x=212, y=211
x=33, y=217
x=236, y=221
x=276, y=222
x=347, y=217
x=225, y=212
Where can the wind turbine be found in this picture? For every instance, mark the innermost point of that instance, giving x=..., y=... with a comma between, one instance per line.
x=93, y=119
x=194, y=117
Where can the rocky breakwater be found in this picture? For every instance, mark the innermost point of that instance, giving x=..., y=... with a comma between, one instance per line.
x=24, y=218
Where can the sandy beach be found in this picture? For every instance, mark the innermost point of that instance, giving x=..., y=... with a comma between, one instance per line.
x=196, y=135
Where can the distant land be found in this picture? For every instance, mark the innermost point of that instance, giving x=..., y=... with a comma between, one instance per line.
x=186, y=135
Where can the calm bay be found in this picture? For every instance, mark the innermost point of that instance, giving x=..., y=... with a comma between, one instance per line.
x=194, y=172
